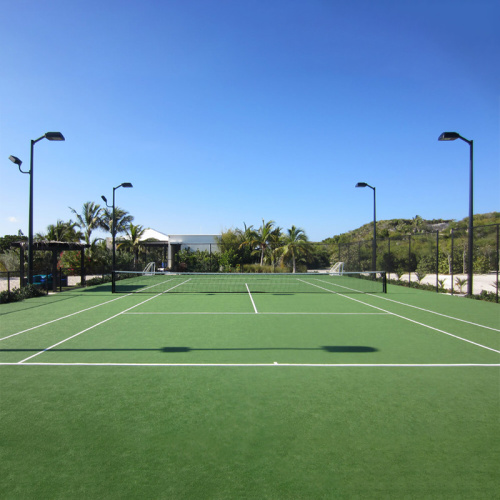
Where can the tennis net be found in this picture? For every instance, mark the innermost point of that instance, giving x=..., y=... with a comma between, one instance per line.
x=277, y=283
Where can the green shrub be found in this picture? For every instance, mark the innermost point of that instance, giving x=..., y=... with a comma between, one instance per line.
x=17, y=294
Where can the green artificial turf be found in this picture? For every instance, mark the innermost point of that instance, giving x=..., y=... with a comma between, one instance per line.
x=226, y=432
x=381, y=397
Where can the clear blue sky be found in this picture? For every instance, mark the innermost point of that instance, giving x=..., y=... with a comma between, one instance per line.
x=222, y=112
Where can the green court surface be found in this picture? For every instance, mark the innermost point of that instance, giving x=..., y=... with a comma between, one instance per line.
x=249, y=395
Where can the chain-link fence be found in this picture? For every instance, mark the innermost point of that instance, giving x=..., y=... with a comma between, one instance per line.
x=437, y=259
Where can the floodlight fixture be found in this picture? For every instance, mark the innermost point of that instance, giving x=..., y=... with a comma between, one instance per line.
x=374, y=243
x=16, y=160
x=54, y=136
x=51, y=136
x=113, y=229
x=451, y=136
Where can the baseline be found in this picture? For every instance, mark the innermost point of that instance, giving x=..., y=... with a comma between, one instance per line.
x=275, y=364
x=266, y=313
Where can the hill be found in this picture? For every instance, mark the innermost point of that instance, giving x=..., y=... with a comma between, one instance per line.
x=401, y=227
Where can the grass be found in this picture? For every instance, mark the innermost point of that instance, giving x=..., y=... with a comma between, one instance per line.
x=370, y=406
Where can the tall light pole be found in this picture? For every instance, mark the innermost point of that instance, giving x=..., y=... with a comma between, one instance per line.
x=113, y=224
x=51, y=136
x=451, y=136
x=374, y=244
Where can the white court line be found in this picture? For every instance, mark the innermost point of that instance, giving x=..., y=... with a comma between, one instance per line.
x=415, y=307
x=97, y=324
x=74, y=314
x=251, y=298
x=409, y=319
x=268, y=313
x=63, y=317
x=434, y=312
x=297, y=365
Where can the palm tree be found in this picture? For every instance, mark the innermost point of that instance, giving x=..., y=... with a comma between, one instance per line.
x=264, y=238
x=247, y=239
x=122, y=219
x=133, y=241
x=61, y=231
x=89, y=219
x=295, y=244
x=275, y=242
x=417, y=224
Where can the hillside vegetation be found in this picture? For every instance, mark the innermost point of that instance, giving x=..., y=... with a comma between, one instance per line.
x=394, y=228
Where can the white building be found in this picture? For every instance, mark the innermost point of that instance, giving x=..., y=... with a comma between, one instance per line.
x=173, y=243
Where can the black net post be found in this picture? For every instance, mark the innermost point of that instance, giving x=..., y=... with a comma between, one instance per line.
x=451, y=266
x=409, y=260
x=437, y=261
x=497, y=263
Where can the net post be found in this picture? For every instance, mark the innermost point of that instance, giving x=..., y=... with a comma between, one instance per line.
x=384, y=282
x=113, y=288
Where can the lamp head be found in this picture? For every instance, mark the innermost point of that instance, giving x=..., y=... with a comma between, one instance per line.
x=16, y=160
x=105, y=200
x=448, y=136
x=361, y=185
x=126, y=185
x=54, y=136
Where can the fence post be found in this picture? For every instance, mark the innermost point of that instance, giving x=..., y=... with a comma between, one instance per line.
x=452, y=255
x=389, y=252
x=437, y=261
x=498, y=261
x=409, y=260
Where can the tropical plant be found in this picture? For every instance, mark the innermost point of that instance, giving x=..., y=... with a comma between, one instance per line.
x=133, y=241
x=294, y=245
x=89, y=219
x=461, y=282
x=61, y=231
x=264, y=237
x=122, y=220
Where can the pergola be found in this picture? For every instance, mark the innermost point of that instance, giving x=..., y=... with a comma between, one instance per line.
x=55, y=247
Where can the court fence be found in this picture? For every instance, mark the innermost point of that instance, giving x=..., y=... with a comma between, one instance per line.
x=433, y=260
x=47, y=281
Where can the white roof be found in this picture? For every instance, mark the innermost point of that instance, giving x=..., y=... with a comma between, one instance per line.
x=153, y=234
x=177, y=238
x=192, y=238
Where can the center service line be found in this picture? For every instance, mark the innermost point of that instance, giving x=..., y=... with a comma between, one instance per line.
x=251, y=298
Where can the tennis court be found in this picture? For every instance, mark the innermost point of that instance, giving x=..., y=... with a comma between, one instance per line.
x=260, y=392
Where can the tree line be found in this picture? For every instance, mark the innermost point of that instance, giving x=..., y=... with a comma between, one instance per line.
x=91, y=218
x=272, y=246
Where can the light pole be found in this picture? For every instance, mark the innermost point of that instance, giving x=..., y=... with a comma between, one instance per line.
x=113, y=223
x=374, y=244
x=51, y=136
x=451, y=136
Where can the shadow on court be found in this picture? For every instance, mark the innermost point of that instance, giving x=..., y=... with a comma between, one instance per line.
x=180, y=349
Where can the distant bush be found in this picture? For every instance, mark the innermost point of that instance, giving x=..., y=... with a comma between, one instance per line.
x=17, y=294
x=257, y=268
